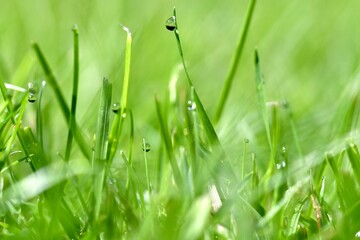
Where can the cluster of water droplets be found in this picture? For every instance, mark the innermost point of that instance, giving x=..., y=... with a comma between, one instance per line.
x=282, y=163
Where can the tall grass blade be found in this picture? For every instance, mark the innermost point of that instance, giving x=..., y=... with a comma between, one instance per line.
x=235, y=61
x=261, y=97
x=208, y=127
x=293, y=226
x=354, y=157
x=10, y=142
x=100, y=154
x=167, y=141
x=39, y=120
x=83, y=144
x=72, y=118
x=119, y=118
x=10, y=108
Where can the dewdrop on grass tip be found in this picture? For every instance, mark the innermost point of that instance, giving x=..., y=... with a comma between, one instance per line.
x=170, y=24
x=115, y=107
x=146, y=147
x=191, y=105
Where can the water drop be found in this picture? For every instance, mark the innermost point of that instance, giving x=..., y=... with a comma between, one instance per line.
x=246, y=140
x=31, y=97
x=32, y=92
x=357, y=235
x=30, y=86
x=191, y=105
x=115, y=107
x=283, y=149
x=170, y=24
x=146, y=147
x=28, y=160
x=280, y=165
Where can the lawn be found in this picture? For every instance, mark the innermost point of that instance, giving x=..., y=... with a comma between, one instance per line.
x=207, y=120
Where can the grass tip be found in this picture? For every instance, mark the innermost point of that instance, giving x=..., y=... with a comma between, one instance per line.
x=126, y=29
x=256, y=56
x=75, y=28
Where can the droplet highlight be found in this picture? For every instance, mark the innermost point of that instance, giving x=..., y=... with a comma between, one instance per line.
x=191, y=106
x=31, y=98
x=146, y=147
x=32, y=93
x=115, y=107
x=280, y=165
x=170, y=24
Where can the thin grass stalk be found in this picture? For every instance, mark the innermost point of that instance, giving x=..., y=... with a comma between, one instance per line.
x=235, y=61
x=72, y=118
x=100, y=154
x=15, y=127
x=119, y=118
x=167, y=142
x=146, y=165
x=209, y=129
x=354, y=157
x=61, y=100
x=131, y=147
x=39, y=120
x=10, y=108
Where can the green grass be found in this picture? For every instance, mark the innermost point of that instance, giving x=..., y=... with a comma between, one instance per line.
x=98, y=147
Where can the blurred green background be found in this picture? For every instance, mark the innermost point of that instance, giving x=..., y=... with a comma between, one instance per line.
x=309, y=52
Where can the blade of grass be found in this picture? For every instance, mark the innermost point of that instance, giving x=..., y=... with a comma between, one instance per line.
x=130, y=162
x=209, y=129
x=79, y=137
x=196, y=164
x=235, y=61
x=264, y=111
x=16, y=126
x=275, y=130
x=296, y=216
x=135, y=183
x=119, y=118
x=10, y=108
x=343, y=196
x=261, y=97
x=100, y=154
x=354, y=157
x=146, y=164
x=294, y=130
x=39, y=122
x=72, y=118
x=167, y=141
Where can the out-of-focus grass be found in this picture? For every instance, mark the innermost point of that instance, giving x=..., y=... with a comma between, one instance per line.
x=307, y=46
x=309, y=55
